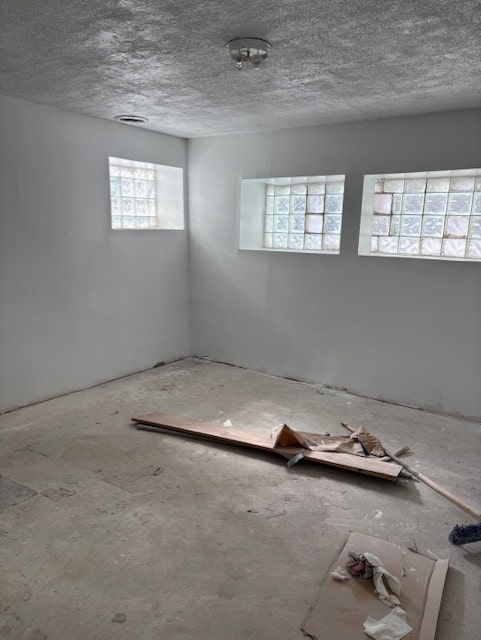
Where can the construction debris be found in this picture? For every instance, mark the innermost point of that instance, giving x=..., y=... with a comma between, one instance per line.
x=283, y=441
x=391, y=627
x=340, y=574
x=344, y=607
x=368, y=566
x=473, y=511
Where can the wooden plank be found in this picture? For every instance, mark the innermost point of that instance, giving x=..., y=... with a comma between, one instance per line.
x=341, y=608
x=243, y=437
x=369, y=466
x=433, y=600
x=228, y=435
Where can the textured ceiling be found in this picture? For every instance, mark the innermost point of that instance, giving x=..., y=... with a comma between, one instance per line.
x=331, y=60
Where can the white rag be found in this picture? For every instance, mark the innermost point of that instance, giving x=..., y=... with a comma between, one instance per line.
x=381, y=577
x=391, y=627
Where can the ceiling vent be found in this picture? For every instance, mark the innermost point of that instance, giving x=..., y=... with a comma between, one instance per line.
x=130, y=119
x=250, y=52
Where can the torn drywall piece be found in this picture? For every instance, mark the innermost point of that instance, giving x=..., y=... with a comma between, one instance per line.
x=359, y=443
x=369, y=443
x=287, y=437
x=341, y=608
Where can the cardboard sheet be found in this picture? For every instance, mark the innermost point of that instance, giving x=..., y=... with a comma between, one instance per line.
x=342, y=607
x=284, y=441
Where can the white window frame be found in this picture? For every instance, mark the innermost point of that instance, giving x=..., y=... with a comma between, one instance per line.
x=168, y=195
x=252, y=212
x=372, y=187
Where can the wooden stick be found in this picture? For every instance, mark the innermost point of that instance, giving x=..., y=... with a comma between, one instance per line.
x=348, y=427
x=399, y=452
x=475, y=513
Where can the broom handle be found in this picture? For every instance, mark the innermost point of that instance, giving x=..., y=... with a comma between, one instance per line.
x=399, y=452
x=475, y=513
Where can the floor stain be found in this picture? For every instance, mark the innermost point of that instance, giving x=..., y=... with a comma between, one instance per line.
x=12, y=492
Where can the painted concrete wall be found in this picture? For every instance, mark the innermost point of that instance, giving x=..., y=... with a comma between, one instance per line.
x=394, y=328
x=80, y=303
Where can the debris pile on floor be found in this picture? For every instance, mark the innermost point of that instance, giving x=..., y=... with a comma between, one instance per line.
x=461, y=534
x=368, y=566
x=360, y=452
x=409, y=582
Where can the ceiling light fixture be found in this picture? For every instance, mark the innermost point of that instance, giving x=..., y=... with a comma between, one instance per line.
x=130, y=119
x=252, y=51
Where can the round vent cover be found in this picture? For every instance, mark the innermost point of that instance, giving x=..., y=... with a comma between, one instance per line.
x=131, y=119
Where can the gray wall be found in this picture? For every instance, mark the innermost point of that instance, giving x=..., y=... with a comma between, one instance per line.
x=80, y=303
x=394, y=328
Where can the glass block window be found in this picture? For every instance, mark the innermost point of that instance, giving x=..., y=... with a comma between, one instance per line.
x=304, y=214
x=434, y=214
x=145, y=195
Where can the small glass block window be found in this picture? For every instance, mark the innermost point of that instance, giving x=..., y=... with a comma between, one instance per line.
x=434, y=214
x=304, y=214
x=135, y=200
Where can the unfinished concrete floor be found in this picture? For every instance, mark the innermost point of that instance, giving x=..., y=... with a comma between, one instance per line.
x=191, y=540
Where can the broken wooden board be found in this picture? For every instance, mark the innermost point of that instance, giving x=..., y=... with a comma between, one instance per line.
x=285, y=442
x=369, y=466
x=342, y=607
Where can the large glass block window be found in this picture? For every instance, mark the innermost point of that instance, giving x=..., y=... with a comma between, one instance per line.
x=304, y=214
x=145, y=195
x=435, y=214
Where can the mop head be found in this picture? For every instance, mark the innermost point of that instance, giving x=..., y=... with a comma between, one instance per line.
x=464, y=533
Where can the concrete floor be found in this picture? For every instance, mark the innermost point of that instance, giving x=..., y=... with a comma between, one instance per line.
x=194, y=540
